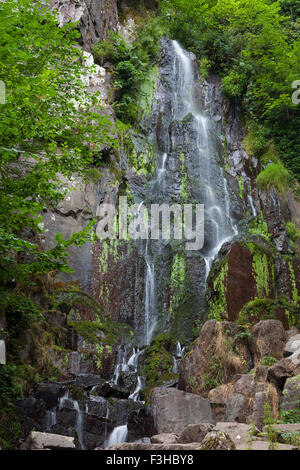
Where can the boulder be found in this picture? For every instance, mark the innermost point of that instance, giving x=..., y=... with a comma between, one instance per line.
x=128, y=380
x=140, y=424
x=164, y=438
x=96, y=406
x=267, y=340
x=218, y=398
x=217, y=440
x=290, y=399
x=243, y=401
x=108, y=389
x=195, y=433
x=238, y=432
x=88, y=381
x=50, y=392
x=291, y=332
x=261, y=373
x=237, y=408
x=42, y=440
x=220, y=352
x=292, y=345
x=295, y=358
x=119, y=409
x=280, y=372
x=174, y=409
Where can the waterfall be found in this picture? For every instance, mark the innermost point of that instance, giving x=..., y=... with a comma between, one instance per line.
x=79, y=416
x=133, y=360
x=135, y=395
x=177, y=126
x=121, y=364
x=150, y=301
x=253, y=210
x=176, y=358
x=105, y=429
x=51, y=419
x=215, y=194
x=118, y=435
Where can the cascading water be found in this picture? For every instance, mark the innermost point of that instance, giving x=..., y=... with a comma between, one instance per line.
x=118, y=435
x=183, y=128
x=179, y=353
x=214, y=193
x=150, y=310
x=51, y=419
x=135, y=395
x=79, y=420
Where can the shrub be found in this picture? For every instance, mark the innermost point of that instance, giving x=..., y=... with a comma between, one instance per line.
x=274, y=176
x=130, y=64
x=268, y=361
x=233, y=85
x=293, y=232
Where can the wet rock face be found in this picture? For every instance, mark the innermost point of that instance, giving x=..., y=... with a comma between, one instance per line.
x=75, y=406
x=213, y=359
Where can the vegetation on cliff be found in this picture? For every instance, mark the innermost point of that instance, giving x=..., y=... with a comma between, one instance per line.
x=254, y=45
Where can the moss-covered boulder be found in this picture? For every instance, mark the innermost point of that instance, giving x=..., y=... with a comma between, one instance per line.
x=156, y=364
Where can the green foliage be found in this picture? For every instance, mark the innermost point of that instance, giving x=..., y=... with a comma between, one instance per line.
x=10, y=389
x=290, y=416
x=256, y=141
x=266, y=309
x=96, y=332
x=274, y=176
x=259, y=227
x=213, y=376
x=158, y=362
x=218, y=308
x=261, y=269
x=177, y=286
x=254, y=46
x=130, y=64
x=46, y=129
x=204, y=67
x=251, y=433
x=269, y=429
x=234, y=84
x=293, y=234
x=268, y=361
x=291, y=438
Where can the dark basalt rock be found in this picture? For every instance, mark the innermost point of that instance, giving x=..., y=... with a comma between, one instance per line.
x=49, y=392
x=140, y=424
x=108, y=389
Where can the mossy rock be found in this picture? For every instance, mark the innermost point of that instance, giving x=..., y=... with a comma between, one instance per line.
x=269, y=309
